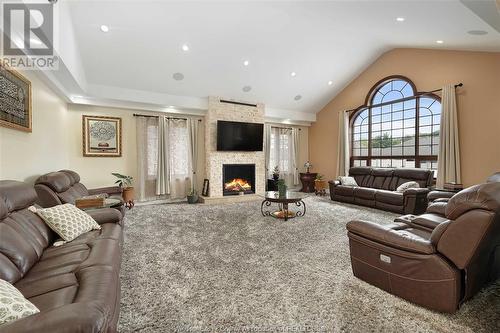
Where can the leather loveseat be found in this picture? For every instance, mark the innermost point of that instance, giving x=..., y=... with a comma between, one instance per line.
x=435, y=261
x=377, y=188
x=75, y=286
x=64, y=186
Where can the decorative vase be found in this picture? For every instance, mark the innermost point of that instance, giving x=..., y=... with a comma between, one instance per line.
x=282, y=190
x=192, y=199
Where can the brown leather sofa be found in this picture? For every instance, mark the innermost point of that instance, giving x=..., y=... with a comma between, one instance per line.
x=64, y=186
x=377, y=188
x=75, y=286
x=431, y=260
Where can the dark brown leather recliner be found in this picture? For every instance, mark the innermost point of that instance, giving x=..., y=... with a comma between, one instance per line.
x=75, y=286
x=377, y=188
x=440, y=264
x=64, y=186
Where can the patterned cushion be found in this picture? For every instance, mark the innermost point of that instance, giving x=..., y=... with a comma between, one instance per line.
x=68, y=221
x=348, y=181
x=403, y=187
x=13, y=305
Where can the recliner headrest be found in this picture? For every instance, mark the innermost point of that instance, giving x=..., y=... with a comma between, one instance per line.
x=408, y=173
x=57, y=181
x=354, y=171
x=483, y=196
x=15, y=195
x=382, y=172
x=75, y=178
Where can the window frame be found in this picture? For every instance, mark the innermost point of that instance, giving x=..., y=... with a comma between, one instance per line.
x=368, y=107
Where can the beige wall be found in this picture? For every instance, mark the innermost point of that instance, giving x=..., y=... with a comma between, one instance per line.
x=478, y=104
x=25, y=156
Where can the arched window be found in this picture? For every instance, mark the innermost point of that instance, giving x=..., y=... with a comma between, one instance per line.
x=397, y=128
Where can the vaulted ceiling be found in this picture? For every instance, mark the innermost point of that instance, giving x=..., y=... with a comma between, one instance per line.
x=138, y=62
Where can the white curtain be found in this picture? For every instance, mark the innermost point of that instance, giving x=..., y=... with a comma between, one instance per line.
x=267, y=149
x=281, y=154
x=193, y=127
x=147, y=149
x=295, y=154
x=343, y=144
x=449, y=146
x=173, y=172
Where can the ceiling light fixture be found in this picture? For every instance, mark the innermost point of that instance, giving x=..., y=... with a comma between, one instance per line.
x=400, y=19
x=298, y=97
x=246, y=63
x=185, y=48
x=247, y=88
x=104, y=28
x=293, y=74
x=439, y=42
x=330, y=83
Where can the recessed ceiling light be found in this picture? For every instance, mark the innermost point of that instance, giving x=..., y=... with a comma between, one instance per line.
x=400, y=19
x=178, y=76
x=185, y=48
x=246, y=63
x=439, y=42
x=104, y=28
x=330, y=83
x=298, y=97
x=293, y=74
x=247, y=88
x=477, y=32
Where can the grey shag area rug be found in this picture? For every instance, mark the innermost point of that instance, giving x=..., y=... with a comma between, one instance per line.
x=226, y=268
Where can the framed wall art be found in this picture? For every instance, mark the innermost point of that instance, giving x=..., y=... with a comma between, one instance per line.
x=102, y=136
x=15, y=100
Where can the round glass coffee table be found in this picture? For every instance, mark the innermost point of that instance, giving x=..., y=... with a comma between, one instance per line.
x=283, y=212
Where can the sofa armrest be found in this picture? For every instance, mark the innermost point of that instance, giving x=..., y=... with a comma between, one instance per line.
x=106, y=215
x=106, y=190
x=439, y=195
x=416, y=191
x=389, y=236
x=75, y=318
x=334, y=183
x=415, y=200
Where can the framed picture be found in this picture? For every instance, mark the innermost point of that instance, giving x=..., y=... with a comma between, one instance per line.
x=204, y=192
x=15, y=100
x=102, y=136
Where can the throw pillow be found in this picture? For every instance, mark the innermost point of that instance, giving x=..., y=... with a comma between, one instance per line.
x=403, y=187
x=68, y=221
x=348, y=181
x=13, y=305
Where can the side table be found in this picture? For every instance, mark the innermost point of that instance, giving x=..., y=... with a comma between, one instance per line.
x=307, y=180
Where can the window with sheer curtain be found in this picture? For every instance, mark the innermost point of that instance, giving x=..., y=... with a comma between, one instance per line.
x=281, y=153
x=178, y=152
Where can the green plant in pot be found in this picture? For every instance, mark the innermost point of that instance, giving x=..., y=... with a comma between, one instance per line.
x=282, y=188
x=125, y=182
x=192, y=196
x=276, y=173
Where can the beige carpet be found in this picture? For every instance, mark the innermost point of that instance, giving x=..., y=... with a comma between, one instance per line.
x=226, y=268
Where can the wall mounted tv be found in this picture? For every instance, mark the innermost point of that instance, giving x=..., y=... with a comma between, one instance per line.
x=237, y=136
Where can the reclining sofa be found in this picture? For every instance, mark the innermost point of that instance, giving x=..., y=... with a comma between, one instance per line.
x=437, y=261
x=377, y=188
x=75, y=286
x=64, y=186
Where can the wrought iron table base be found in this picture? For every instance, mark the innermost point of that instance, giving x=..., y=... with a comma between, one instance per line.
x=283, y=212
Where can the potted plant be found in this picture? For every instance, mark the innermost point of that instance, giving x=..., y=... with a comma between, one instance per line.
x=125, y=183
x=320, y=184
x=276, y=173
x=192, y=196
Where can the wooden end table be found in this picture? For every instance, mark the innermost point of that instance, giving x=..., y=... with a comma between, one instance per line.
x=307, y=180
x=283, y=211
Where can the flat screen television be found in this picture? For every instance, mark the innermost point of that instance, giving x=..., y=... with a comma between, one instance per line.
x=237, y=136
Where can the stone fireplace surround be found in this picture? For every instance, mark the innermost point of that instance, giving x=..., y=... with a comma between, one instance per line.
x=214, y=160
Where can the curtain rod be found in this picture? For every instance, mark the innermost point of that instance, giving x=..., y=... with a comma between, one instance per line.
x=300, y=129
x=150, y=116
x=400, y=100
